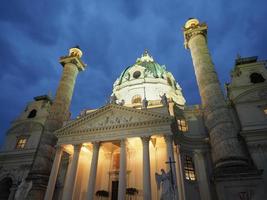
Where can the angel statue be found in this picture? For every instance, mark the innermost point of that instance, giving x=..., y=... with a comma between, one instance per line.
x=164, y=180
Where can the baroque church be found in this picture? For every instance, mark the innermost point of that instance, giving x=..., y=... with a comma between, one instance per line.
x=146, y=143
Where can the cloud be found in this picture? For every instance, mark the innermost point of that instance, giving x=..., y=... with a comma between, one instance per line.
x=112, y=34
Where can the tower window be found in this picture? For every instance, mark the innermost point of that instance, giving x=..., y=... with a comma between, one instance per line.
x=182, y=125
x=21, y=143
x=136, y=99
x=32, y=114
x=189, y=169
x=256, y=78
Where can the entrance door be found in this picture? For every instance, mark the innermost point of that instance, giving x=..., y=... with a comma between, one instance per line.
x=5, y=186
x=114, y=193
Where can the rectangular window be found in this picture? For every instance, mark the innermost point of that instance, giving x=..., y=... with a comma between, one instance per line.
x=182, y=125
x=21, y=143
x=189, y=169
x=265, y=111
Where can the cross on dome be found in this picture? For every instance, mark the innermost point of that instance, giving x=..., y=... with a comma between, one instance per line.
x=146, y=57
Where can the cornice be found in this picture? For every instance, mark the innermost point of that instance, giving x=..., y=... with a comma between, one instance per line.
x=191, y=143
x=119, y=127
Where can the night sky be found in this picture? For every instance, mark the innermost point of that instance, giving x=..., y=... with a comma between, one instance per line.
x=112, y=34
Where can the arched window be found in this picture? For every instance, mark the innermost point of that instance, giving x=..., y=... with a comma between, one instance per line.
x=256, y=78
x=32, y=114
x=136, y=99
x=189, y=169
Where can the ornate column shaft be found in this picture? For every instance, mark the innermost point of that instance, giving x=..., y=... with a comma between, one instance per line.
x=53, y=175
x=69, y=185
x=59, y=111
x=202, y=177
x=146, y=169
x=122, y=174
x=226, y=149
x=93, y=171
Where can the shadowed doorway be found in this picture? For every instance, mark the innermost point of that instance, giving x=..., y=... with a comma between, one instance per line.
x=5, y=185
x=114, y=192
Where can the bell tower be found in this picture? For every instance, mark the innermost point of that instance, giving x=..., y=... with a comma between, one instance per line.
x=225, y=146
x=59, y=112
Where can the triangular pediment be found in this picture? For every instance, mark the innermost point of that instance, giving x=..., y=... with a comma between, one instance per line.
x=113, y=116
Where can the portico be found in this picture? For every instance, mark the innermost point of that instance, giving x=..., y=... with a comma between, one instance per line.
x=112, y=158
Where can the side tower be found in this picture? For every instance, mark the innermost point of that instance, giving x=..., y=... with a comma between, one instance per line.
x=59, y=112
x=226, y=149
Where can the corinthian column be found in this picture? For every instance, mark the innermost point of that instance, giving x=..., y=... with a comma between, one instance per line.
x=69, y=185
x=146, y=169
x=53, y=175
x=122, y=174
x=93, y=170
x=226, y=149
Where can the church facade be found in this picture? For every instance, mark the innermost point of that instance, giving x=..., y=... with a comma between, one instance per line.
x=146, y=143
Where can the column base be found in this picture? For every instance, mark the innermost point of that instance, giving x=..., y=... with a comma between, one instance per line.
x=239, y=183
x=39, y=185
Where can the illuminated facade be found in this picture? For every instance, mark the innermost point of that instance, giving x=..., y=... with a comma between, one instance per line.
x=113, y=152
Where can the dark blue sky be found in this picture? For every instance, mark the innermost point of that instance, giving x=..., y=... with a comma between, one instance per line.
x=112, y=34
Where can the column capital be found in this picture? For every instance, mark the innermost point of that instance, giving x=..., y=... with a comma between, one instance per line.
x=192, y=28
x=199, y=153
x=58, y=147
x=77, y=147
x=74, y=58
x=123, y=142
x=145, y=139
x=96, y=145
x=168, y=138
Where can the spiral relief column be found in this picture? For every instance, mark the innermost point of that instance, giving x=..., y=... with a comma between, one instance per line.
x=58, y=114
x=226, y=149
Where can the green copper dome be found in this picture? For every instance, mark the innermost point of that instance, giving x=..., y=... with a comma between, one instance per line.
x=146, y=80
x=151, y=68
